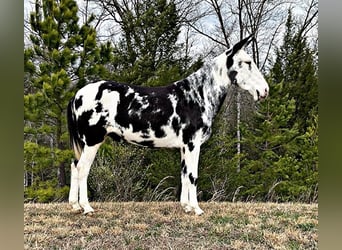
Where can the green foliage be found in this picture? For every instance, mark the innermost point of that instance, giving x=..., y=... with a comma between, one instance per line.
x=218, y=163
x=61, y=56
x=147, y=51
x=281, y=155
x=46, y=191
x=164, y=165
x=119, y=173
x=295, y=66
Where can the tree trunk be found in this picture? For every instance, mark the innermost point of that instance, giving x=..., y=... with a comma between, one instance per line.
x=61, y=167
x=61, y=175
x=238, y=134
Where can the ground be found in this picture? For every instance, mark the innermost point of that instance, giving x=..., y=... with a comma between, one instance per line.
x=164, y=225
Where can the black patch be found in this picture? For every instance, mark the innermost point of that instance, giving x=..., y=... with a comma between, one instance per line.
x=98, y=107
x=184, y=84
x=115, y=136
x=232, y=77
x=249, y=65
x=184, y=168
x=192, y=179
x=94, y=134
x=135, y=105
x=122, y=117
x=176, y=125
x=78, y=102
x=110, y=86
x=191, y=146
x=188, y=133
x=229, y=61
x=75, y=162
x=145, y=136
x=159, y=133
x=190, y=114
x=147, y=143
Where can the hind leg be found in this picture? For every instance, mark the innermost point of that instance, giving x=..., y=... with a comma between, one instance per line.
x=83, y=168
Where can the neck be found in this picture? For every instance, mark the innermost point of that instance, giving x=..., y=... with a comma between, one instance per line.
x=209, y=86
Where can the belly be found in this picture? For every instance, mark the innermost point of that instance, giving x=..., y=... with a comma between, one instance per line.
x=148, y=138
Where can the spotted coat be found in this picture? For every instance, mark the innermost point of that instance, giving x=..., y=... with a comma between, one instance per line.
x=179, y=115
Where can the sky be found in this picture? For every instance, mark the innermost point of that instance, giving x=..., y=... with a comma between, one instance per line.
x=200, y=44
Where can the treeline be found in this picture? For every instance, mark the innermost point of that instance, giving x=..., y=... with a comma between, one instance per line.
x=275, y=156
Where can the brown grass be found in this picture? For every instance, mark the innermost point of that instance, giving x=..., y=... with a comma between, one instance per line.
x=164, y=225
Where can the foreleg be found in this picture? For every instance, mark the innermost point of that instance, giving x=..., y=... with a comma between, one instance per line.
x=189, y=178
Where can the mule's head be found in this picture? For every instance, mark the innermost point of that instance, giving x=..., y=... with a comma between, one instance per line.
x=243, y=72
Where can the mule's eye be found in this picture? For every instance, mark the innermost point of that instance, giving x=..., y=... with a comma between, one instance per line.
x=249, y=65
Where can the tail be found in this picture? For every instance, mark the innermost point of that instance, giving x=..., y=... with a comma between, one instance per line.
x=76, y=143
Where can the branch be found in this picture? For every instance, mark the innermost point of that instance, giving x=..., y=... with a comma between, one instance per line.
x=206, y=35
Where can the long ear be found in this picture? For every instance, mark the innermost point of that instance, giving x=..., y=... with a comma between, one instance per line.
x=236, y=48
x=243, y=43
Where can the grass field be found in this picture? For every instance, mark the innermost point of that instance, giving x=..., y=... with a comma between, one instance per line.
x=164, y=225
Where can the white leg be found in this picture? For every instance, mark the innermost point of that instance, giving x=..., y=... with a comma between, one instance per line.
x=83, y=167
x=189, y=179
x=184, y=199
x=73, y=193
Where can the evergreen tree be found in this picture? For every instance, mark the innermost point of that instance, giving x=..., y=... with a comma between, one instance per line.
x=295, y=65
x=268, y=146
x=147, y=50
x=61, y=56
x=281, y=160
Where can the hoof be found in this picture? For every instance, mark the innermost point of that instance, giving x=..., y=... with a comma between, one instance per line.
x=90, y=214
x=77, y=211
x=186, y=207
x=88, y=210
x=76, y=207
x=198, y=211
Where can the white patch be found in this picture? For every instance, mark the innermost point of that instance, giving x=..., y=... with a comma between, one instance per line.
x=173, y=100
x=88, y=94
x=157, y=111
x=94, y=118
x=130, y=91
x=171, y=140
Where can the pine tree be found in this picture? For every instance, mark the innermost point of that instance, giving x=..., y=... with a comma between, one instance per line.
x=281, y=146
x=268, y=145
x=295, y=65
x=61, y=56
x=146, y=53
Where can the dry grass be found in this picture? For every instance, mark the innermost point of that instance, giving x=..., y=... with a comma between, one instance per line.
x=165, y=226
